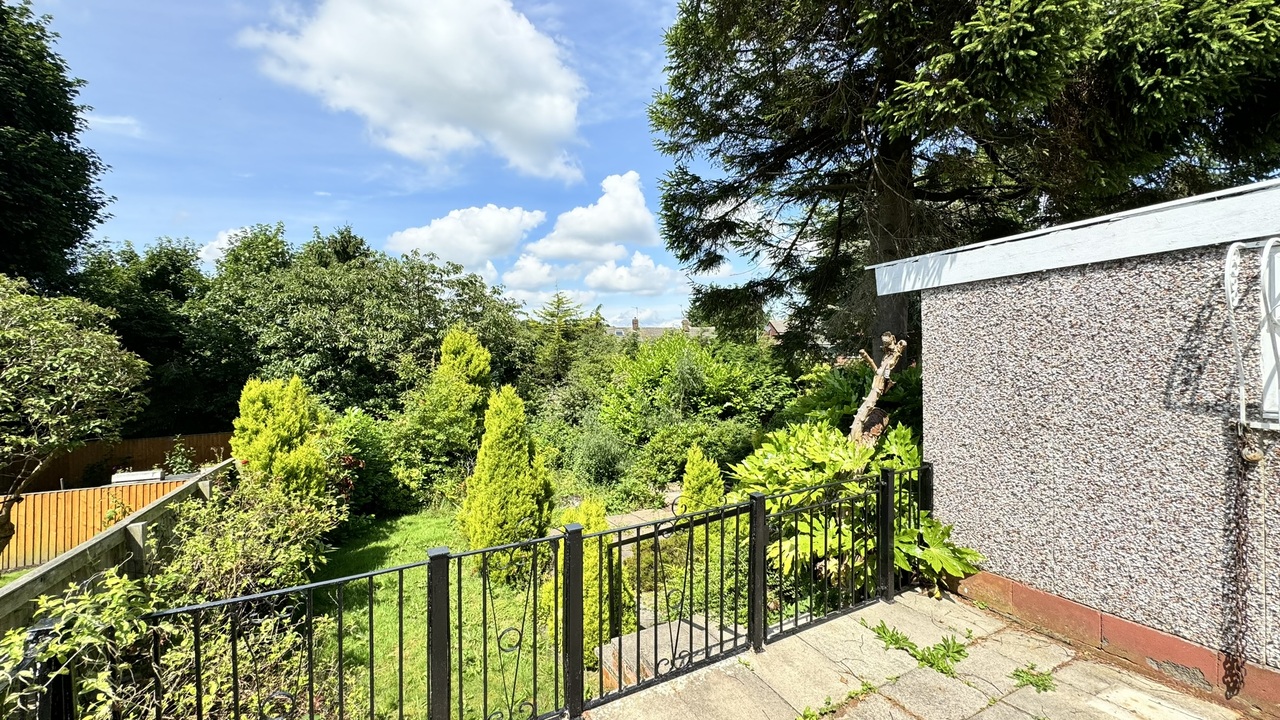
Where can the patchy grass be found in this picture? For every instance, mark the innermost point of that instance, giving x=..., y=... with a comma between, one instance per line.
x=8, y=577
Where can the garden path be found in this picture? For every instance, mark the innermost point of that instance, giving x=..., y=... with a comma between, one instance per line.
x=840, y=669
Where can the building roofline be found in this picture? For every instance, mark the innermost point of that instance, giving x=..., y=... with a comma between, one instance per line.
x=1242, y=213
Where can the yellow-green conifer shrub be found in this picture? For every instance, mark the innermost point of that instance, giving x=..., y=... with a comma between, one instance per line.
x=509, y=495
x=278, y=434
x=462, y=355
x=703, y=487
x=600, y=600
x=439, y=428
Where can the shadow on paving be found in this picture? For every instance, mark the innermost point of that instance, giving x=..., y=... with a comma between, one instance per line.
x=841, y=669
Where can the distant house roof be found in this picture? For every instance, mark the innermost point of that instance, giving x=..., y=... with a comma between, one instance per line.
x=1248, y=212
x=775, y=326
x=651, y=333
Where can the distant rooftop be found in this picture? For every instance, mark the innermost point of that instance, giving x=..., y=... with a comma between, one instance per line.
x=650, y=333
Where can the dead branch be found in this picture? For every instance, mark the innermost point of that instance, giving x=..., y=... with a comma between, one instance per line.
x=870, y=421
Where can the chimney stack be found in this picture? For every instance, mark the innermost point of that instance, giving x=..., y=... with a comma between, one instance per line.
x=635, y=324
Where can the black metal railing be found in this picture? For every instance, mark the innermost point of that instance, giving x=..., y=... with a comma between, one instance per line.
x=548, y=627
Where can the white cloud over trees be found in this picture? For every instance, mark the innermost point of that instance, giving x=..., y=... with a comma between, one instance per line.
x=434, y=79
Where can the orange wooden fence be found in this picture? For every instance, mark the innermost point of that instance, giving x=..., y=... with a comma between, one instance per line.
x=51, y=523
x=68, y=470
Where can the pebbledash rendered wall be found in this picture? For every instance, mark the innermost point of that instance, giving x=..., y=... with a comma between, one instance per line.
x=1080, y=423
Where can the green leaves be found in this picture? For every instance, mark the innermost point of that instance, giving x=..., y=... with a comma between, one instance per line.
x=819, y=138
x=801, y=456
x=278, y=435
x=64, y=379
x=939, y=558
x=49, y=199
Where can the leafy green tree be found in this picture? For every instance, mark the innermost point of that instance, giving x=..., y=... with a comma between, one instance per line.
x=817, y=138
x=226, y=321
x=703, y=487
x=278, y=435
x=344, y=317
x=64, y=380
x=509, y=496
x=49, y=198
x=148, y=292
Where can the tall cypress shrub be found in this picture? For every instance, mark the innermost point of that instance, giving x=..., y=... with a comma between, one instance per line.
x=509, y=496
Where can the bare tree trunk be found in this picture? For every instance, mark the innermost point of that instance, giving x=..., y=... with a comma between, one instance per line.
x=871, y=421
x=7, y=529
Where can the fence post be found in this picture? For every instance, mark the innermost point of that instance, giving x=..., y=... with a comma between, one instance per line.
x=136, y=541
x=756, y=591
x=573, y=623
x=926, y=488
x=885, y=507
x=438, y=670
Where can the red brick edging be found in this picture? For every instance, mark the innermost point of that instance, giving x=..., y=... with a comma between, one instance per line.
x=1145, y=649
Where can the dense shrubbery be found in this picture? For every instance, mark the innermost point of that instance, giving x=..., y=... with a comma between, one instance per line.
x=703, y=486
x=832, y=395
x=435, y=437
x=248, y=538
x=256, y=537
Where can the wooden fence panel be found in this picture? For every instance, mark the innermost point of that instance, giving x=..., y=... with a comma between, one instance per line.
x=67, y=471
x=48, y=524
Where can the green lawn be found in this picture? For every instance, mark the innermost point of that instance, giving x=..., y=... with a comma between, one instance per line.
x=499, y=626
x=399, y=601
x=6, y=578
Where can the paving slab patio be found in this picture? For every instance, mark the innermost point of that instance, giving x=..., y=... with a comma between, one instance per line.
x=842, y=660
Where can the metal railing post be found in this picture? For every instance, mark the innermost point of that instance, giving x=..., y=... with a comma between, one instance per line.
x=574, y=695
x=926, y=488
x=756, y=592
x=438, y=670
x=885, y=502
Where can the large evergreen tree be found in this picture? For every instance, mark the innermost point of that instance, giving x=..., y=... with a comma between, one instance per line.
x=817, y=137
x=49, y=199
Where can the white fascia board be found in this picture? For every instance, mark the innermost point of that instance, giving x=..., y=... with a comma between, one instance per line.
x=1239, y=214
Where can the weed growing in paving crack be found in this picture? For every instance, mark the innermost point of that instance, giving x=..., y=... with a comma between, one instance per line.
x=830, y=708
x=941, y=657
x=893, y=638
x=1027, y=676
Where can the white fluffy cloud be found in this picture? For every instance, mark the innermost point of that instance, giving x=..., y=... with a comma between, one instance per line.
x=534, y=299
x=435, y=78
x=598, y=231
x=641, y=277
x=530, y=273
x=470, y=236
x=210, y=253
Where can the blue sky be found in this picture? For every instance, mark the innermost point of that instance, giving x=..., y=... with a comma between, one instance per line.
x=510, y=137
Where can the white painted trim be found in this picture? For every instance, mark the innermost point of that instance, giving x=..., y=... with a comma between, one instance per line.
x=1239, y=214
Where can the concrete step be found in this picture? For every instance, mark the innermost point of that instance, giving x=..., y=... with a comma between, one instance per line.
x=662, y=649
